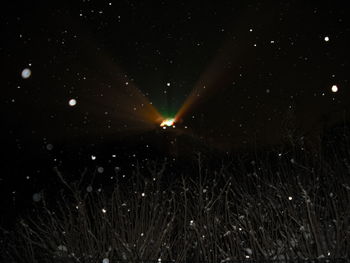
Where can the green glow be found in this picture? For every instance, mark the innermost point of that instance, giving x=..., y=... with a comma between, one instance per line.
x=168, y=114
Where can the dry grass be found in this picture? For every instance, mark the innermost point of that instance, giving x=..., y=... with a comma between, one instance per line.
x=293, y=206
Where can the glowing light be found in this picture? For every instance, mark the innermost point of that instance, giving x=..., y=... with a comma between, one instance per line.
x=72, y=102
x=167, y=122
x=26, y=73
x=334, y=88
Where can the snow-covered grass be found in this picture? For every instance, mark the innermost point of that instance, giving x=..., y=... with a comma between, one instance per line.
x=279, y=206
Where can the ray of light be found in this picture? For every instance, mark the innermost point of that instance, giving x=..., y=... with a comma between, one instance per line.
x=108, y=101
x=223, y=69
x=110, y=91
x=128, y=108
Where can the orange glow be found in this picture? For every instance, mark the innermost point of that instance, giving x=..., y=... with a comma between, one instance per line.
x=130, y=110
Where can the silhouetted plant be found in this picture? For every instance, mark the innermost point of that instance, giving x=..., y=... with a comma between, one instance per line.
x=282, y=206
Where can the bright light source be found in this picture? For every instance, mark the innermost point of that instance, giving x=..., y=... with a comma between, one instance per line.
x=167, y=122
x=26, y=73
x=72, y=102
x=334, y=88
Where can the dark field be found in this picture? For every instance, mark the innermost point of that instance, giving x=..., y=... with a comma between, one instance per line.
x=286, y=204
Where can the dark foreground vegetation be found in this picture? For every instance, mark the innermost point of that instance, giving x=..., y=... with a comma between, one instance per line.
x=287, y=206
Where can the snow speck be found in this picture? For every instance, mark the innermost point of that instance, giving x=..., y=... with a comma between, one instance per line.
x=100, y=169
x=49, y=147
x=62, y=248
x=249, y=251
x=105, y=260
x=36, y=197
x=72, y=102
x=326, y=38
x=334, y=88
x=26, y=73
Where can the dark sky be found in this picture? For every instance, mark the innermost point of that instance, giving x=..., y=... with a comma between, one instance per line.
x=254, y=68
x=87, y=83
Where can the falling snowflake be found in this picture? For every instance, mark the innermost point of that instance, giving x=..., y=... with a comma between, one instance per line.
x=72, y=102
x=49, y=147
x=26, y=73
x=334, y=88
x=89, y=189
x=36, y=197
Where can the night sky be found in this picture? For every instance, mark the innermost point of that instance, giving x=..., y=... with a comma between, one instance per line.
x=231, y=73
x=252, y=66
